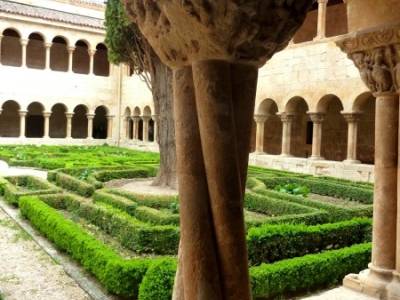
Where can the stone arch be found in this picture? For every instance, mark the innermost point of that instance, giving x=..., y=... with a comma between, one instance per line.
x=365, y=106
x=11, y=49
x=129, y=123
x=58, y=121
x=9, y=119
x=334, y=128
x=147, y=111
x=59, y=54
x=300, y=143
x=100, y=123
x=137, y=112
x=81, y=58
x=36, y=51
x=35, y=120
x=80, y=122
x=101, y=66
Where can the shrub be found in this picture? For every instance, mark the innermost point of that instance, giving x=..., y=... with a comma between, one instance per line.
x=73, y=184
x=293, y=189
x=154, y=216
x=121, y=277
x=138, y=172
x=271, y=243
x=115, y=201
x=158, y=283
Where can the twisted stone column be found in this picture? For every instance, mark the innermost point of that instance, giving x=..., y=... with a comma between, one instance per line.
x=260, y=121
x=352, y=120
x=287, y=121
x=215, y=49
x=317, y=119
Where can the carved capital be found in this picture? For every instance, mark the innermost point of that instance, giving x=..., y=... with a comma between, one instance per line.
x=287, y=118
x=24, y=42
x=146, y=118
x=71, y=49
x=47, y=114
x=22, y=113
x=353, y=117
x=90, y=116
x=48, y=45
x=376, y=54
x=155, y=118
x=317, y=117
x=260, y=118
x=248, y=32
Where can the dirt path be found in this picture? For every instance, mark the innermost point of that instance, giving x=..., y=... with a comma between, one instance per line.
x=141, y=186
x=27, y=272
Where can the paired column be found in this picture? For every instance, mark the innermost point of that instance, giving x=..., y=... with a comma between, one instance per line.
x=352, y=120
x=22, y=121
x=321, y=29
x=69, y=125
x=146, y=121
x=317, y=119
x=24, y=44
x=92, y=52
x=48, y=48
x=155, y=119
x=109, y=126
x=287, y=120
x=90, y=118
x=127, y=128
x=70, y=57
x=260, y=121
x=46, y=116
x=135, y=128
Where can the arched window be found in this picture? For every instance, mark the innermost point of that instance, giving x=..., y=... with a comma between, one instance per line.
x=100, y=123
x=9, y=119
x=36, y=52
x=35, y=120
x=80, y=122
x=101, y=66
x=11, y=49
x=128, y=124
x=59, y=54
x=81, y=59
x=58, y=121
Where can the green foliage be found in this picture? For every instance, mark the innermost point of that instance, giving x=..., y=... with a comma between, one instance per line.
x=308, y=272
x=115, y=201
x=293, y=189
x=158, y=282
x=155, y=216
x=74, y=185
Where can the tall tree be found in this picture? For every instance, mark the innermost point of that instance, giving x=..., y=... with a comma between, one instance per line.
x=127, y=45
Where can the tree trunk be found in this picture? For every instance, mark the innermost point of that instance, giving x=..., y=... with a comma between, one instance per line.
x=161, y=81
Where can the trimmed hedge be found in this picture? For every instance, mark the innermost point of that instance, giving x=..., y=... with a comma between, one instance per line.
x=308, y=272
x=73, y=184
x=138, y=172
x=270, y=243
x=14, y=187
x=121, y=277
x=157, y=217
x=116, y=201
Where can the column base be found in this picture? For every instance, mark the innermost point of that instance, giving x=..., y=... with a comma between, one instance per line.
x=259, y=153
x=316, y=158
x=351, y=161
x=393, y=289
x=286, y=155
x=372, y=282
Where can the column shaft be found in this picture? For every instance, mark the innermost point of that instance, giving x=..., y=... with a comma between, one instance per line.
x=47, y=63
x=317, y=119
x=1, y=38
x=145, y=129
x=135, y=128
x=352, y=137
x=109, y=127
x=286, y=134
x=91, y=61
x=260, y=123
x=22, y=125
x=321, y=29
x=69, y=125
x=90, y=126
x=70, y=58
x=46, y=124
x=24, y=44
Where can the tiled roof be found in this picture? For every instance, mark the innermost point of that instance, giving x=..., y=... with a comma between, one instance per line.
x=49, y=14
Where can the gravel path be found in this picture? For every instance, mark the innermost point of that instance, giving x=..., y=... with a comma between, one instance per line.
x=141, y=186
x=27, y=272
x=340, y=293
x=6, y=170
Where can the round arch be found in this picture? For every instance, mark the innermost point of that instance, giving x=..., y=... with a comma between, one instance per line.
x=58, y=121
x=81, y=58
x=35, y=120
x=59, y=54
x=101, y=66
x=100, y=123
x=79, y=122
x=137, y=112
x=36, y=51
x=11, y=50
x=147, y=111
x=9, y=119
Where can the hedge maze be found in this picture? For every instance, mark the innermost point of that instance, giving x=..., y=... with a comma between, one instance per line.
x=296, y=244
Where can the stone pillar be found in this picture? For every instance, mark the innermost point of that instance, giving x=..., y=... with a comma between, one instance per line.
x=69, y=125
x=215, y=81
x=90, y=118
x=374, y=54
x=46, y=116
x=155, y=119
x=1, y=38
x=352, y=120
x=22, y=125
x=92, y=52
x=70, y=57
x=321, y=29
x=24, y=44
x=146, y=128
x=260, y=121
x=110, y=127
x=317, y=119
x=48, y=48
x=287, y=120
x=127, y=127
x=135, y=128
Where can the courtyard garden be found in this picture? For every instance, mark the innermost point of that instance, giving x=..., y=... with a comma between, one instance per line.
x=304, y=233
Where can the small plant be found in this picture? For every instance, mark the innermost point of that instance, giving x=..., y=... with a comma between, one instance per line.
x=293, y=189
x=174, y=207
x=84, y=175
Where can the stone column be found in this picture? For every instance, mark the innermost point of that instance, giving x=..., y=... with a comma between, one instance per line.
x=110, y=127
x=155, y=119
x=22, y=125
x=352, y=120
x=321, y=29
x=260, y=121
x=24, y=44
x=92, y=52
x=69, y=125
x=146, y=128
x=287, y=120
x=70, y=58
x=373, y=54
x=1, y=38
x=127, y=127
x=317, y=119
x=48, y=48
x=215, y=82
x=135, y=128
x=90, y=118
x=46, y=116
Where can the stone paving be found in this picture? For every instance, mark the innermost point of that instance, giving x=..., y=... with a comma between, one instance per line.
x=340, y=293
x=6, y=170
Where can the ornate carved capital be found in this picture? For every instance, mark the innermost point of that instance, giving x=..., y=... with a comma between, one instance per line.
x=260, y=118
x=377, y=56
x=287, y=118
x=248, y=32
x=352, y=117
x=317, y=117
